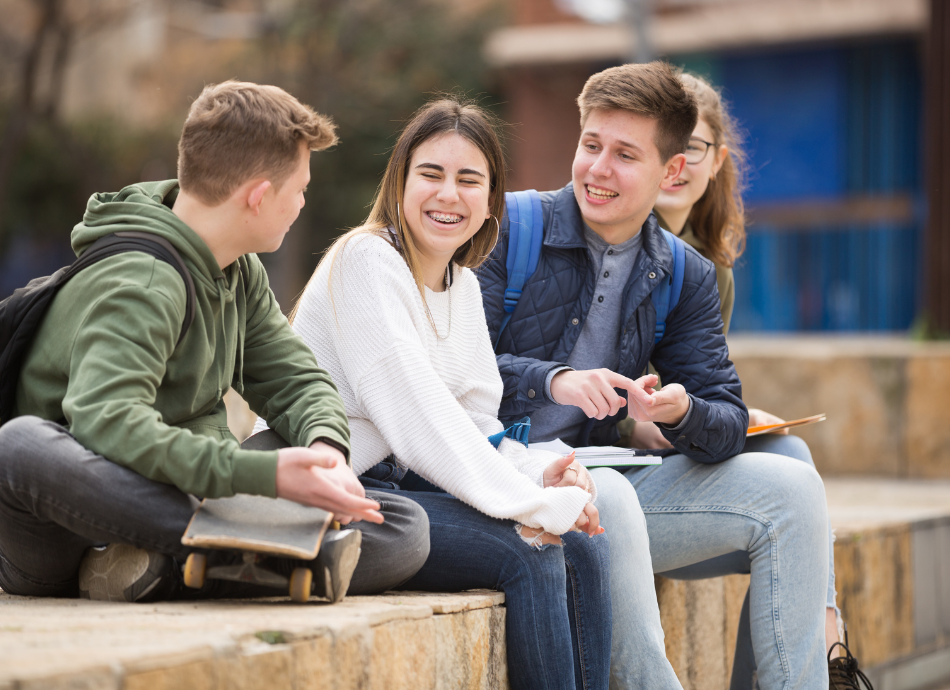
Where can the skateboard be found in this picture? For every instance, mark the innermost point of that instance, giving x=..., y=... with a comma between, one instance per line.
x=258, y=527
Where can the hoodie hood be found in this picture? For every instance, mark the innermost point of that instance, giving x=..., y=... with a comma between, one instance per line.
x=147, y=207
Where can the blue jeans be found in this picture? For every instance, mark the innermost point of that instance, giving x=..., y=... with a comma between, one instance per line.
x=758, y=513
x=743, y=665
x=557, y=600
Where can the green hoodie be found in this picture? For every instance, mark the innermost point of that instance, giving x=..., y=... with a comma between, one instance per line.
x=105, y=357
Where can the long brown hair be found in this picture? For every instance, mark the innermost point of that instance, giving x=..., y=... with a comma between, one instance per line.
x=718, y=218
x=443, y=116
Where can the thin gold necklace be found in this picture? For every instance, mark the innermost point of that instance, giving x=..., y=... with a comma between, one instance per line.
x=448, y=288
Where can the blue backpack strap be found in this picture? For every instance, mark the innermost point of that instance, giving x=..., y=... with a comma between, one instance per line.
x=525, y=233
x=518, y=431
x=666, y=295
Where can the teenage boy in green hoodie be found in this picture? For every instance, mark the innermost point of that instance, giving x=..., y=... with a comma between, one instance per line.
x=118, y=427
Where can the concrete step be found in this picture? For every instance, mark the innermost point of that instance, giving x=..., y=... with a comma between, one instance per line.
x=390, y=642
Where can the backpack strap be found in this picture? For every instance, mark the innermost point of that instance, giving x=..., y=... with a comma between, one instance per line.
x=666, y=295
x=22, y=313
x=525, y=234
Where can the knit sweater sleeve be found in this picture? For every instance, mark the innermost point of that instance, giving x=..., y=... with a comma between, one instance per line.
x=376, y=331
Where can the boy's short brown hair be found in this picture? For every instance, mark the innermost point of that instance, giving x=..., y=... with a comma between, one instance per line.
x=652, y=90
x=238, y=130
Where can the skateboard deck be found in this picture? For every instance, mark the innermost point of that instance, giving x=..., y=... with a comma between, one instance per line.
x=260, y=524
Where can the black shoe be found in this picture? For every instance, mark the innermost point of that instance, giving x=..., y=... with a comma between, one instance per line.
x=334, y=565
x=119, y=572
x=843, y=671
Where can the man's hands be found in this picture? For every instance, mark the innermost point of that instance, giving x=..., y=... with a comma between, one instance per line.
x=592, y=390
x=759, y=417
x=319, y=476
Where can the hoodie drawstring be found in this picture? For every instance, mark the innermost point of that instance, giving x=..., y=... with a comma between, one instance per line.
x=224, y=294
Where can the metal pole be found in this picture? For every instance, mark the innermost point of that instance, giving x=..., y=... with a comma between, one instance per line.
x=640, y=18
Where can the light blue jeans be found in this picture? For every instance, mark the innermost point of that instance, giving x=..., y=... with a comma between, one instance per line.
x=756, y=513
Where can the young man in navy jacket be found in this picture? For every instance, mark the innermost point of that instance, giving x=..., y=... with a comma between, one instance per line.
x=573, y=355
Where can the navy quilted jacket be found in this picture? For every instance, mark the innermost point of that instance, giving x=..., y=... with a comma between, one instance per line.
x=551, y=312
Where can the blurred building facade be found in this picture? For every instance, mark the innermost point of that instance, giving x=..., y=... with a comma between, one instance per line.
x=831, y=95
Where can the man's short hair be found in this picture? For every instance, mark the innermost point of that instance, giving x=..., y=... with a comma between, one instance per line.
x=652, y=90
x=236, y=131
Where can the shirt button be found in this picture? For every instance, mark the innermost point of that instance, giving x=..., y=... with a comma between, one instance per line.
x=610, y=251
x=606, y=273
x=531, y=393
x=652, y=275
x=574, y=322
x=600, y=299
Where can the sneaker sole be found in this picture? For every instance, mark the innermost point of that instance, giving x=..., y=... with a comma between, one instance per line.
x=342, y=550
x=109, y=574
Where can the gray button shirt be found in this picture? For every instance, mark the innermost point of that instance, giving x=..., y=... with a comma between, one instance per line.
x=598, y=345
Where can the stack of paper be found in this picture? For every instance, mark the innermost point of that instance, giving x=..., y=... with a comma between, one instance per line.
x=599, y=456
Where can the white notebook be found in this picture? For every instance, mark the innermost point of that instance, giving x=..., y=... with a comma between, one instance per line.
x=599, y=456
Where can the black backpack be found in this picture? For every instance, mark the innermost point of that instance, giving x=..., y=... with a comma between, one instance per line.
x=22, y=313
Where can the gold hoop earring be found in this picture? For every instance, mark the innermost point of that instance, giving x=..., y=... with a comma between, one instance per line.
x=497, y=235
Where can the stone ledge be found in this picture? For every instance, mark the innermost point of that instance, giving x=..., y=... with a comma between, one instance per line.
x=893, y=575
x=402, y=640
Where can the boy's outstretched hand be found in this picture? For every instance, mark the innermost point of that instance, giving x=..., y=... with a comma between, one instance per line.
x=319, y=476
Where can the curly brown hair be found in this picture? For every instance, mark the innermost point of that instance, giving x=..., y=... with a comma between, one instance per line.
x=718, y=218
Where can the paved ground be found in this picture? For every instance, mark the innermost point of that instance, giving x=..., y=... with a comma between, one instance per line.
x=860, y=503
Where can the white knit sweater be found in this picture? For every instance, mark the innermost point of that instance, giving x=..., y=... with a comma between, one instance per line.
x=429, y=401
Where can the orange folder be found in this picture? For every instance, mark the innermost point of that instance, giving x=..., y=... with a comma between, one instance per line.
x=770, y=428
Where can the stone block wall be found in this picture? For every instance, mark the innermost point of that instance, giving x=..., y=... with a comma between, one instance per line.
x=700, y=619
x=887, y=399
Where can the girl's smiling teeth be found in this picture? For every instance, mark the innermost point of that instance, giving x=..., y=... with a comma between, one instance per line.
x=444, y=217
x=600, y=192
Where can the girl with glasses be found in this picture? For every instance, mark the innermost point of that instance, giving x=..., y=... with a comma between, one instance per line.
x=704, y=208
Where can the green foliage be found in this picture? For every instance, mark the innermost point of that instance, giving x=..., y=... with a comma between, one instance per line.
x=925, y=328
x=271, y=636
x=369, y=64
x=59, y=166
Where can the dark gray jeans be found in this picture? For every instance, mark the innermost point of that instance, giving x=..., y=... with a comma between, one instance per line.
x=58, y=498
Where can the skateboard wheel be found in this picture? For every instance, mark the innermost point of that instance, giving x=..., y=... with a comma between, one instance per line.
x=195, y=567
x=300, y=581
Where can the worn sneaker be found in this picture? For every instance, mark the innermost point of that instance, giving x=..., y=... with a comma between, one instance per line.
x=119, y=572
x=334, y=565
x=843, y=671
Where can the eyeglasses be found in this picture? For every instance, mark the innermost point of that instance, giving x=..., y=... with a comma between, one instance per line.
x=697, y=149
